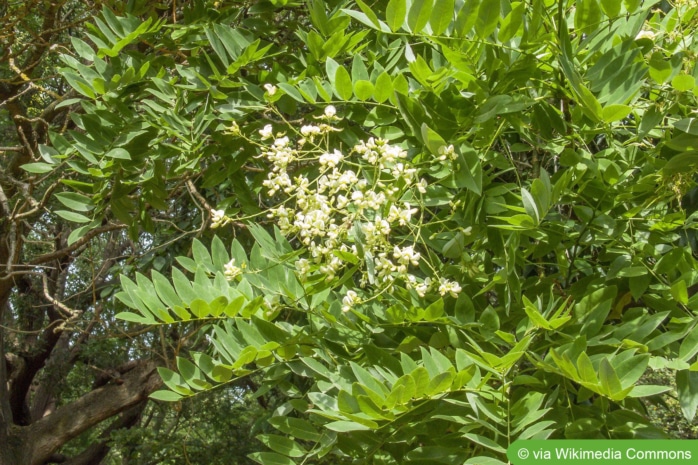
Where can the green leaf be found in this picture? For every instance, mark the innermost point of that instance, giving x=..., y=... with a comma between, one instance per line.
x=648, y=390
x=297, y=427
x=383, y=88
x=660, y=68
x=687, y=125
x=371, y=20
x=421, y=379
x=72, y=216
x=200, y=254
x=282, y=445
x=441, y=16
x=419, y=15
x=679, y=163
x=291, y=92
x=485, y=441
x=75, y=201
x=534, y=314
x=609, y=381
x=590, y=103
x=687, y=388
x=166, y=396
x=483, y=460
x=395, y=14
x=632, y=5
x=200, y=308
x=48, y=153
x=683, y=82
x=487, y=17
x=174, y=381
x=512, y=22
x=363, y=90
x=342, y=84
x=77, y=233
x=586, y=369
x=679, y=291
x=134, y=318
x=530, y=205
x=611, y=7
x=689, y=346
x=271, y=458
x=191, y=374
x=615, y=112
x=37, y=168
x=346, y=426
x=587, y=16
x=440, y=383
x=119, y=153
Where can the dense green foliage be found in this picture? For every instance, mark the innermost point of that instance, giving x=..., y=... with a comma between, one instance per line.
x=505, y=259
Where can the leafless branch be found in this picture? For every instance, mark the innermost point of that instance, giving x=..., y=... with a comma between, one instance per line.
x=75, y=245
x=67, y=311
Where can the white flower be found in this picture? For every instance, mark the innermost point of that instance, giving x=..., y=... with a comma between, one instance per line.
x=271, y=89
x=374, y=200
x=276, y=181
x=309, y=130
x=231, y=271
x=357, y=196
x=349, y=301
x=423, y=287
x=341, y=202
x=403, y=217
x=303, y=268
x=392, y=153
x=267, y=132
x=218, y=218
x=449, y=287
x=447, y=152
x=645, y=35
x=384, y=266
x=406, y=256
x=280, y=155
x=422, y=186
x=331, y=159
x=401, y=171
x=382, y=226
x=281, y=142
x=330, y=111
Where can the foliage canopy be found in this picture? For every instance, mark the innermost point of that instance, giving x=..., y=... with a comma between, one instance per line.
x=442, y=225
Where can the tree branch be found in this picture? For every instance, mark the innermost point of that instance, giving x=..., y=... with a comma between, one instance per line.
x=69, y=421
x=97, y=451
x=75, y=245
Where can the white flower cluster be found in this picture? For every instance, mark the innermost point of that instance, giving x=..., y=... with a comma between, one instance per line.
x=231, y=271
x=343, y=206
x=447, y=153
x=218, y=219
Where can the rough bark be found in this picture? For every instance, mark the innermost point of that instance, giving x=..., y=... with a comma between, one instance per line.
x=94, y=454
x=37, y=443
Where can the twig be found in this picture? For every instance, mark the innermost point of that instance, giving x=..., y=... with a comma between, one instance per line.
x=197, y=195
x=5, y=204
x=67, y=311
x=75, y=245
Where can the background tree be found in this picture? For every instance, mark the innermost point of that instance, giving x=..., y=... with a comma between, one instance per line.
x=70, y=371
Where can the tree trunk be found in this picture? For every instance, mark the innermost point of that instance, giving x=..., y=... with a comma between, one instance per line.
x=36, y=444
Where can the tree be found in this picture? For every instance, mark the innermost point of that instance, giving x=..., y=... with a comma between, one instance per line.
x=56, y=276
x=37, y=349
x=455, y=225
